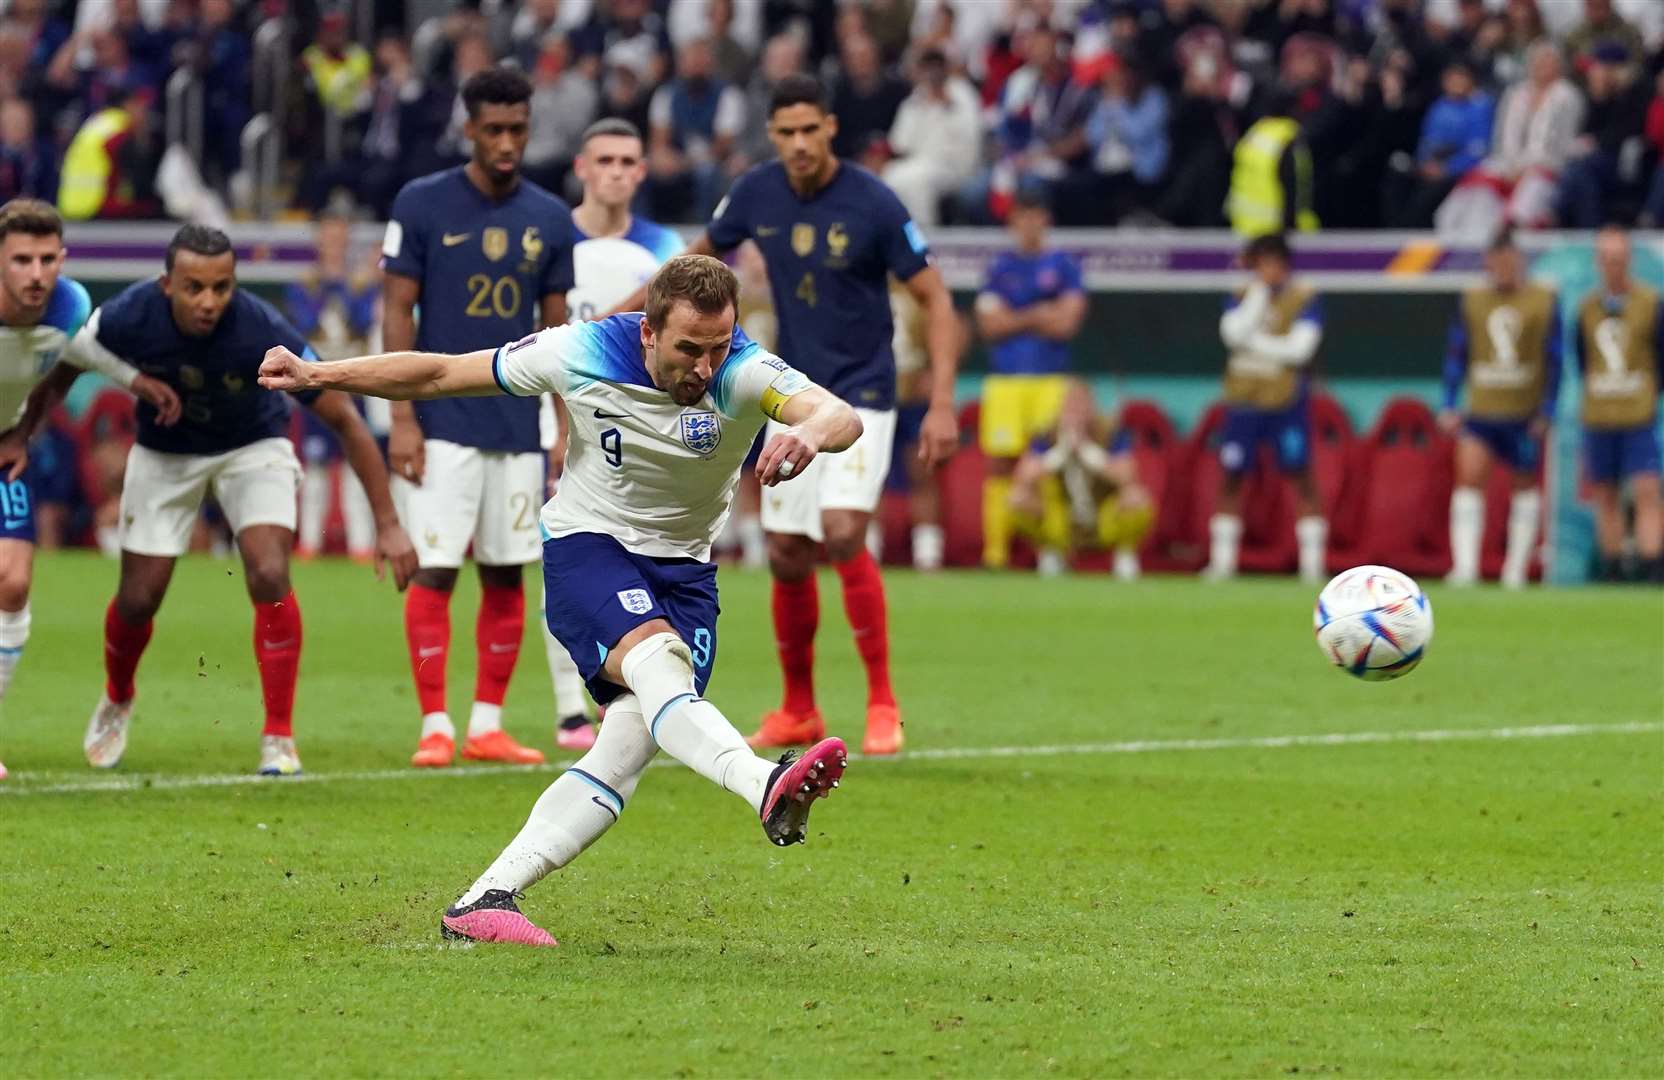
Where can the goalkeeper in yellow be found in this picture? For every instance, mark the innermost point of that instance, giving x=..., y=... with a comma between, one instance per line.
x=1076, y=488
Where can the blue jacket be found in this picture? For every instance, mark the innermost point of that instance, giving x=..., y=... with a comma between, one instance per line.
x=1457, y=132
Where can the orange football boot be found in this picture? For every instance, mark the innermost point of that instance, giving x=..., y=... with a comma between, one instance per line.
x=434, y=751
x=500, y=746
x=884, y=735
x=782, y=728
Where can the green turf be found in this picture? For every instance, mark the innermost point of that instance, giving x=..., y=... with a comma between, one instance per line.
x=1443, y=908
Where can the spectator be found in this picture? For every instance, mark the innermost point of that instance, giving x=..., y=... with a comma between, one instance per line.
x=151, y=50
x=531, y=25
x=563, y=105
x=865, y=97
x=1652, y=210
x=1525, y=29
x=338, y=70
x=90, y=72
x=1455, y=136
x=1159, y=34
x=1271, y=176
x=628, y=34
x=936, y=139
x=471, y=56
x=1040, y=129
x=1128, y=135
x=27, y=163
x=222, y=57
x=1608, y=148
x=109, y=170
x=1602, y=26
x=43, y=34
x=783, y=55
x=729, y=58
x=1537, y=125
x=623, y=96
x=1201, y=133
x=695, y=120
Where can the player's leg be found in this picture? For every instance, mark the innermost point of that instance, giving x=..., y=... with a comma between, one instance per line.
x=1311, y=529
x=505, y=539
x=1602, y=461
x=256, y=487
x=161, y=495
x=571, y=814
x=1525, y=506
x=17, y=556
x=1134, y=513
x=1238, y=444
x=1641, y=464
x=440, y=514
x=791, y=522
x=1002, y=438
x=1467, y=504
x=573, y=731
x=849, y=487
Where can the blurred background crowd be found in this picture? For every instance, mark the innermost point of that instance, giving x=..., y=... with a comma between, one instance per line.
x=1138, y=113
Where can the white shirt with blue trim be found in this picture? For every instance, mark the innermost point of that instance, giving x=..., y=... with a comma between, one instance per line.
x=28, y=352
x=656, y=476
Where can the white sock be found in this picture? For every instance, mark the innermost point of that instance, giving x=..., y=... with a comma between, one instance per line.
x=483, y=719
x=438, y=723
x=568, y=682
x=875, y=540
x=314, y=506
x=108, y=538
x=1467, y=527
x=1224, y=534
x=660, y=673
x=14, y=634
x=753, y=543
x=929, y=544
x=1524, y=510
x=578, y=807
x=1312, y=535
x=1127, y=567
x=357, y=515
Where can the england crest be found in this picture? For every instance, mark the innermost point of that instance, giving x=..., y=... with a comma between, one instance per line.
x=701, y=431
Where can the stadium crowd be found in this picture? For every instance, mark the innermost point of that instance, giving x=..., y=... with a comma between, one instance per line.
x=1321, y=113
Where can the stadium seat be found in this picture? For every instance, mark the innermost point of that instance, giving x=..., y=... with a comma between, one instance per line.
x=1159, y=452
x=1405, y=519
x=1338, y=468
x=961, y=491
x=1268, y=503
x=108, y=420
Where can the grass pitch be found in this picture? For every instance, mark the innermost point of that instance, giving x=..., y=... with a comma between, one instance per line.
x=1147, y=883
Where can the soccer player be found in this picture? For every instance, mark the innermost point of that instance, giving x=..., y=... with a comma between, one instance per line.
x=40, y=311
x=1077, y=487
x=616, y=253
x=1505, y=346
x=1620, y=353
x=487, y=255
x=1029, y=309
x=664, y=406
x=197, y=331
x=831, y=233
x=1272, y=330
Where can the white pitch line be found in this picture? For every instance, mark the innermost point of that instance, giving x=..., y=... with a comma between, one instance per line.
x=160, y=782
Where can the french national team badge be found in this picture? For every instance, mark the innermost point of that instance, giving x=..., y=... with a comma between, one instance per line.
x=803, y=239
x=494, y=242
x=700, y=431
x=636, y=601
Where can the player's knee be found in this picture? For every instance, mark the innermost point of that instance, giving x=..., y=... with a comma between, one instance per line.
x=137, y=602
x=437, y=578
x=268, y=577
x=500, y=577
x=14, y=587
x=790, y=558
x=841, y=549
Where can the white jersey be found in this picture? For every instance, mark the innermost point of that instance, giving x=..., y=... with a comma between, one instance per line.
x=28, y=352
x=607, y=269
x=656, y=476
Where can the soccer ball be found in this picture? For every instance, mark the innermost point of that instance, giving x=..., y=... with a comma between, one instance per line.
x=1373, y=622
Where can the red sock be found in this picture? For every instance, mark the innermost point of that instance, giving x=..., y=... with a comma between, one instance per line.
x=864, y=604
x=497, y=635
x=796, y=618
x=277, y=650
x=123, y=645
x=427, y=630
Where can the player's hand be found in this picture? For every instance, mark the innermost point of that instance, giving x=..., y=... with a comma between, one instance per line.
x=784, y=456
x=938, y=435
x=160, y=396
x=14, y=453
x=407, y=450
x=1449, y=421
x=393, y=548
x=283, y=370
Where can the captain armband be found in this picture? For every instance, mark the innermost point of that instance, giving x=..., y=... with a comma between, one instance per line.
x=787, y=385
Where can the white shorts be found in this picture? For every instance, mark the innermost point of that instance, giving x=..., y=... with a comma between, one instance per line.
x=162, y=493
x=467, y=495
x=852, y=480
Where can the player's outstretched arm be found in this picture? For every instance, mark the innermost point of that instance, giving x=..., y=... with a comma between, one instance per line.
x=820, y=423
x=401, y=376
x=393, y=547
x=944, y=338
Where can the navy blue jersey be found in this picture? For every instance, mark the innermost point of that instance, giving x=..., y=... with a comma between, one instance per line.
x=1023, y=281
x=214, y=376
x=484, y=267
x=829, y=257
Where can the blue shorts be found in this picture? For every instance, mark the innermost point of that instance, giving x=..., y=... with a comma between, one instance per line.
x=1612, y=456
x=52, y=472
x=1247, y=429
x=1509, y=441
x=17, y=509
x=596, y=592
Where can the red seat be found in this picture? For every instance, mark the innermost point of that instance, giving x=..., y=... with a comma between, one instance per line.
x=108, y=419
x=1406, y=505
x=960, y=483
x=1338, y=470
x=1158, y=454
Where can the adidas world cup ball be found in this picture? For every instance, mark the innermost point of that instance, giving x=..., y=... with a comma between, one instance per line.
x=1373, y=622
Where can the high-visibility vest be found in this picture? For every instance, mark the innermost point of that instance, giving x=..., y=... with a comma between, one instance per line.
x=1257, y=199
x=340, y=80
x=88, y=164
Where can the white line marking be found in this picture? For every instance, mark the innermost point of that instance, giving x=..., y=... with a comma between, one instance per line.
x=20, y=783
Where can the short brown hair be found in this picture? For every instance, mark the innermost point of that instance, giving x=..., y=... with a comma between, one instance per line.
x=700, y=280
x=31, y=217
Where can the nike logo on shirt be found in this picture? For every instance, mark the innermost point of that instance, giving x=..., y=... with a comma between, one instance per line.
x=453, y=239
x=599, y=415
